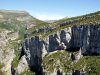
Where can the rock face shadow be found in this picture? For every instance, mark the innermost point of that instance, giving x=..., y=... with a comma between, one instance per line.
x=32, y=50
x=77, y=72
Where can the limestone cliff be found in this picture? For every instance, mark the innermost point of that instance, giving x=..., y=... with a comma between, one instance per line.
x=13, y=27
x=64, y=48
x=84, y=37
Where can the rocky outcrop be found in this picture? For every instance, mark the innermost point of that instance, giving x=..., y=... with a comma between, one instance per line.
x=6, y=35
x=33, y=48
x=22, y=66
x=7, y=59
x=87, y=38
x=7, y=51
x=60, y=40
x=84, y=37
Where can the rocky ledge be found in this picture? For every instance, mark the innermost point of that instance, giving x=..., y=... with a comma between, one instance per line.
x=84, y=38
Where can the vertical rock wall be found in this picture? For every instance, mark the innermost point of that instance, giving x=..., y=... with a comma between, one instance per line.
x=85, y=37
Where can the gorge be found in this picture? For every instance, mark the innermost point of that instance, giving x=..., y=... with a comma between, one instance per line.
x=65, y=47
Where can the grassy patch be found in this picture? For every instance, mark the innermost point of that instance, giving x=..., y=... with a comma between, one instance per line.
x=8, y=26
x=39, y=24
x=59, y=59
x=15, y=62
x=27, y=72
x=91, y=64
x=2, y=73
x=1, y=65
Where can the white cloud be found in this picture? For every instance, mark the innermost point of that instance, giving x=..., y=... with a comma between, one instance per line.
x=45, y=17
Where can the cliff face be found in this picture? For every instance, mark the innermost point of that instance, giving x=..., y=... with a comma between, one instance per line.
x=13, y=25
x=87, y=38
x=35, y=48
x=60, y=40
x=7, y=52
x=39, y=47
x=32, y=48
x=57, y=53
x=84, y=37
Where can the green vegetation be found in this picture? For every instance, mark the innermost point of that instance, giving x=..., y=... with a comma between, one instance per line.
x=56, y=60
x=39, y=25
x=20, y=25
x=7, y=26
x=93, y=65
x=59, y=59
x=15, y=62
x=1, y=65
x=89, y=19
x=17, y=53
x=62, y=60
x=90, y=63
x=27, y=72
x=2, y=73
x=15, y=45
x=79, y=18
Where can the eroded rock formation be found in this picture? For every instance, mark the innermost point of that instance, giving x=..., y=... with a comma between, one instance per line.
x=83, y=37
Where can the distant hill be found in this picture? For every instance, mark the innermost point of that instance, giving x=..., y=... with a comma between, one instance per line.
x=50, y=21
x=19, y=21
x=57, y=25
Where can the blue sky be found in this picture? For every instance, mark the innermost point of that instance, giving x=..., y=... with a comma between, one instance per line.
x=52, y=9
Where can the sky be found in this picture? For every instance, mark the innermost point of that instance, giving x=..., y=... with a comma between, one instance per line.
x=52, y=9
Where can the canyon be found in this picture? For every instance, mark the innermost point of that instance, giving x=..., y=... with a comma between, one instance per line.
x=65, y=47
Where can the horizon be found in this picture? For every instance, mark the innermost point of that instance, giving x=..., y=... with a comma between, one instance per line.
x=52, y=10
